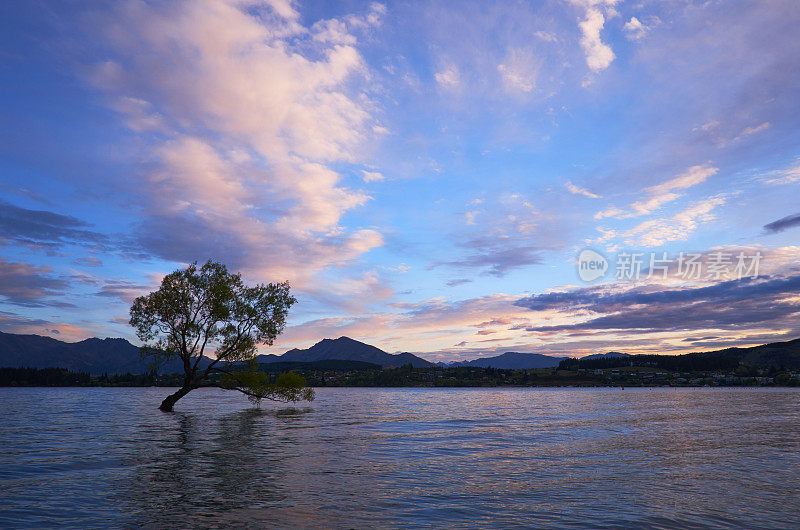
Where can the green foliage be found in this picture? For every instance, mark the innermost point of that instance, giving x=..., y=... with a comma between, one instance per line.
x=287, y=387
x=207, y=307
x=199, y=307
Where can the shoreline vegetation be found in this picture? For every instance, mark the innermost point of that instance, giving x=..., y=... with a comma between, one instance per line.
x=590, y=373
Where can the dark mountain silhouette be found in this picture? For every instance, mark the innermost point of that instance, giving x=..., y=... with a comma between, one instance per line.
x=95, y=356
x=346, y=349
x=512, y=360
x=775, y=354
x=607, y=355
x=118, y=356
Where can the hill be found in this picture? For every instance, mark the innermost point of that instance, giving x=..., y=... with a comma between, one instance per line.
x=514, y=361
x=776, y=355
x=607, y=355
x=346, y=349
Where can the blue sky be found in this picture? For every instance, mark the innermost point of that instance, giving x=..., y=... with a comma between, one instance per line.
x=423, y=173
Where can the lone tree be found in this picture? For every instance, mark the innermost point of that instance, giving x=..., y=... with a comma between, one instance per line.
x=206, y=307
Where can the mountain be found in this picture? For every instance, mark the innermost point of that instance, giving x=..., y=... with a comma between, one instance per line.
x=775, y=354
x=346, y=349
x=607, y=355
x=95, y=356
x=514, y=361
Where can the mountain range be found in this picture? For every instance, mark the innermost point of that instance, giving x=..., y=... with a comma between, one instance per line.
x=98, y=356
x=95, y=356
x=118, y=356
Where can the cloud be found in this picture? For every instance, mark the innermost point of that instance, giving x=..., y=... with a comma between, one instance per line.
x=731, y=304
x=546, y=36
x=14, y=323
x=519, y=71
x=599, y=55
x=44, y=229
x=735, y=72
x=510, y=234
x=31, y=286
x=498, y=255
x=340, y=31
x=563, y=321
x=355, y=294
x=656, y=232
x=425, y=325
x=449, y=78
x=780, y=261
x=691, y=177
x=255, y=115
x=661, y=194
x=785, y=223
x=139, y=114
x=724, y=141
x=88, y=261
x=577, y=190
x=332, y=31
x=372, y=176
x=787, y=175
x=708, y=126
x=748, y=131
x=635, y=29
x=124, y=290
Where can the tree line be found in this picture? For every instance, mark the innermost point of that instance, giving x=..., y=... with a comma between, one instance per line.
x=689, y=362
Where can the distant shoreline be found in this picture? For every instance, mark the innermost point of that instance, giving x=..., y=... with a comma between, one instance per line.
x=437, y=377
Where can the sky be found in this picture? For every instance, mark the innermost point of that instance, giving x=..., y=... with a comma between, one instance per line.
x=426, y=175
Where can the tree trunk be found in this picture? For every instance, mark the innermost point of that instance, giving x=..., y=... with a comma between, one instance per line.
x=170, y=400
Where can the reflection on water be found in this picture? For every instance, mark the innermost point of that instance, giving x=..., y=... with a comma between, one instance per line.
x=89, y=457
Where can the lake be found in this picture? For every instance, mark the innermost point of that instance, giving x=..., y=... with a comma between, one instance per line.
x=358, y=457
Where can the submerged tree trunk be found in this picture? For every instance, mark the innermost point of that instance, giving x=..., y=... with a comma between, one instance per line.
x=170, y=400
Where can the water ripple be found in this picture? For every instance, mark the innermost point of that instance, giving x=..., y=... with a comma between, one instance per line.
x=461, y=458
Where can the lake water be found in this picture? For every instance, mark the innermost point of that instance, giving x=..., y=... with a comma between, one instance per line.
x=684, y=457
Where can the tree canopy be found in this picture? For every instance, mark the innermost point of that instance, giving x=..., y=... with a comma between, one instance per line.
x=212, y=322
